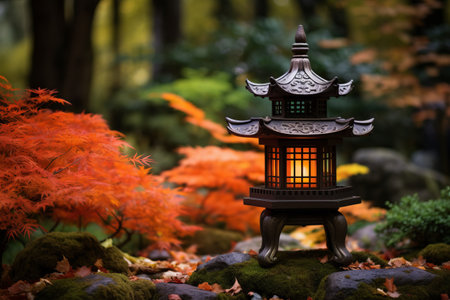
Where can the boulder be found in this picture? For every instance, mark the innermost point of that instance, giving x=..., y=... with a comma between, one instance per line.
x=185, y=291
x=213, y=241
x=98, y=286
x=341, y=285
x=286, y=243
x=367, y=238
x=40, y=256
x=222, y=261
x=296, y=276
x=391, y=177
x=436, y=253
x=159, y=255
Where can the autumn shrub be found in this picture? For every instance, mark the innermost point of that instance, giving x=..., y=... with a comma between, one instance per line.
x=71, y=168
x=417, y=223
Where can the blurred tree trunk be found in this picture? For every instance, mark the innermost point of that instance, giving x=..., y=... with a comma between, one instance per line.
x=62, y=49
x=261, y=8
x=224, y=11
x=79, y=60
x=166, y=33
x=48, y=28
x=116, y=41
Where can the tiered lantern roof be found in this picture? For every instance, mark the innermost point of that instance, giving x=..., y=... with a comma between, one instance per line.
x=299, y=103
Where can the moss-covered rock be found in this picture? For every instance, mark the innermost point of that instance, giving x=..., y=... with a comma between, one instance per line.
x=436, y=253
x=439, y=285
x=111, y=286
x=213, y=240
x=296, y=276
x=81, y=249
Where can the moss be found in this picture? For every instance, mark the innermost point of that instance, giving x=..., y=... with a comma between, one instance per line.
x=81, y=249
x=75, y=289
x=213, y=241
x=363, y=256
x=223, y=296
x=296, y=276
x=113, y=260
x=436, y=253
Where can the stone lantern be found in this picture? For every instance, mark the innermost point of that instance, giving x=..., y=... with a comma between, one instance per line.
x=300, y=155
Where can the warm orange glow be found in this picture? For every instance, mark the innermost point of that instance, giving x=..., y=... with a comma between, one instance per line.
x=301, y=170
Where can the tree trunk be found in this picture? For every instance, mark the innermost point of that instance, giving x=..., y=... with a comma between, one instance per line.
x=78, y=71
x=261, y=8
x=116, y=41
x=62, y=49
x=166, y=33
x=47, y=19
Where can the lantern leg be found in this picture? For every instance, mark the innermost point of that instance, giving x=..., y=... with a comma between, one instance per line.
x=336, y=231
x=271, y=226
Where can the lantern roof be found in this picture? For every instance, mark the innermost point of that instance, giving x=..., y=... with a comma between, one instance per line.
x=299, y=128
x=300, y=80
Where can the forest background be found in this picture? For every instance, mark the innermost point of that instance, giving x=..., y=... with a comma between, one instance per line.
x=116, y=58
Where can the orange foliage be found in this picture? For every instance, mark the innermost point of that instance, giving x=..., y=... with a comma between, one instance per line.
x=215, y=180
x=401, y=54
x=197, y=117
x=70, y=167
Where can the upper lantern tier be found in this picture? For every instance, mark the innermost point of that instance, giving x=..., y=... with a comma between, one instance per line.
x=300, y=92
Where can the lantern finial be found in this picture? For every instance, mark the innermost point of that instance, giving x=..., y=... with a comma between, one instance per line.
x=300, y=36
x=300, y=47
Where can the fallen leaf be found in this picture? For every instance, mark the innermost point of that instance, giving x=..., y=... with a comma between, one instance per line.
x=83, y=271
x=309, y=298
x=235, y=289
x=381, y=292
x=19, y=287
x=419, y=262
x=252, y=253
x=446, y=265
x=393, y=294
x=173, y=297
x=389, y=284
x=63, y=266
x=40, y=285
x=205, y=286
x=324, y=259
x=399, y=262
x=444, y=296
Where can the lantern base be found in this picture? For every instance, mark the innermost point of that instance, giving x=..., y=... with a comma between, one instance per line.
x=330, y=198
x=273, y=221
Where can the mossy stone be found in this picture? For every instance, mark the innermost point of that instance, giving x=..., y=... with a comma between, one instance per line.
x=81, y=249
x=296, y=275
x=436, y=253
x=118, y=288
x=213, y=240
x=113, y=260
x=439, y=285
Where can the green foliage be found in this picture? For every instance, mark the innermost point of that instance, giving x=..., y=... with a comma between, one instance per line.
x=156, y=128
x=81, y=249
x=436, y=253
x=419, y=222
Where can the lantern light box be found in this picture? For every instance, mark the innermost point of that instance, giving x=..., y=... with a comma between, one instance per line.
x=300, y=155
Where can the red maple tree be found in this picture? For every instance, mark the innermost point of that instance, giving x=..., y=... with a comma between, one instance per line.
x=71, y=168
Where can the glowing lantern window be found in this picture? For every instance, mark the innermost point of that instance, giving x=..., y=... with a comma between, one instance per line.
x=301, y=167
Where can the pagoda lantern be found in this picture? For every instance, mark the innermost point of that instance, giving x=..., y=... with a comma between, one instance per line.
x=300, y=155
